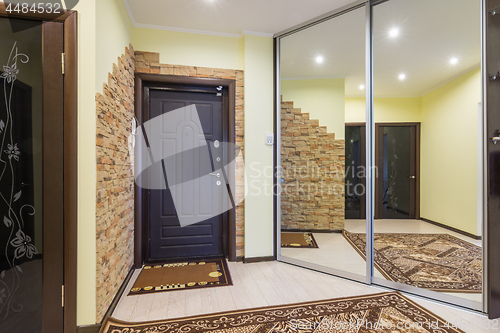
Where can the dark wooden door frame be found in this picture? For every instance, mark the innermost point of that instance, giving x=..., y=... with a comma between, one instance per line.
x=141, y=218
x=414, y=186
x=69, y=177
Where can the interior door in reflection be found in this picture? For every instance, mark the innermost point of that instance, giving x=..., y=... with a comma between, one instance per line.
x=397, y=171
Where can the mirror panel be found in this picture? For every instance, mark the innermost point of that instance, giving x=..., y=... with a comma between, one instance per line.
x=428, y=120
x=322, y=145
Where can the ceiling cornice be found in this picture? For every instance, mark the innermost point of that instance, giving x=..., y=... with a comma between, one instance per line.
x=129, y=11
x=258, y=34
x=453, y=78
x=190, y=31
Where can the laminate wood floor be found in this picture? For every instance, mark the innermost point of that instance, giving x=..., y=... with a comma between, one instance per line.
x=269, y=283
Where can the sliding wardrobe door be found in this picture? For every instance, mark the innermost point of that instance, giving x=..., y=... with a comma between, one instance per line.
x=427, y=88
x=322, y=80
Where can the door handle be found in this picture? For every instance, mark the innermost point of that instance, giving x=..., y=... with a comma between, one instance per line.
x=412, y=177
x=215, y=174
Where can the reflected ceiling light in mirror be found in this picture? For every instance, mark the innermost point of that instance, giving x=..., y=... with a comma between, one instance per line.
x=454, y=61
x=402, y=76
x=361, y=87
x=394, y=32
x=319, y=59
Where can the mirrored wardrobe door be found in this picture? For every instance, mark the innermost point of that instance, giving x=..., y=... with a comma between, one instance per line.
x=427, y=89
x=323, y=190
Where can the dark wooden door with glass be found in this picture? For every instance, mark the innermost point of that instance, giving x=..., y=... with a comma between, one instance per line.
x=397, y=158
x=397, y=161
x=355, y=163
x=186, y=217
x=31, y=176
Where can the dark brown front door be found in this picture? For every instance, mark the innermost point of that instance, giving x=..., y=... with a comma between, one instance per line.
x=31, y=177
x=186, y=217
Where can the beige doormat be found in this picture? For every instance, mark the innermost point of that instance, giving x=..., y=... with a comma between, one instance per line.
x=189, y=274
x=298, y=239
x=385, y=312
x=438, y=262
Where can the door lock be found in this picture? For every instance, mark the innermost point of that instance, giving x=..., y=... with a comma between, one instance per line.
x=215, y=174
x=412, y=177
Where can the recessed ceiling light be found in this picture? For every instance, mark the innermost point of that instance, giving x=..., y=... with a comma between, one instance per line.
x=319, y=59
x=394, y=32
x=454, y=61
x=402, y=76
x=361, y=87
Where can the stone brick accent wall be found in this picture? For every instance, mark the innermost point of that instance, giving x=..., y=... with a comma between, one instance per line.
x=149, y=62
x=313, y=169
x=115, y=190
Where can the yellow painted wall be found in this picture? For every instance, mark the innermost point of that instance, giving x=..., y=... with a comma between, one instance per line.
x=323, y=99
x=398, y=109
x=104, y=30
x=449, y=153
x=180, y=48
x=258, y=157
x=113, y=34
x=86, y=300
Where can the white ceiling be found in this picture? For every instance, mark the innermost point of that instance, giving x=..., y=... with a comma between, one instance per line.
x=227, y=17
x=431, y=33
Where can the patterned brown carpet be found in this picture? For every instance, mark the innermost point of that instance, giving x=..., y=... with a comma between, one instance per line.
x=385, y=312
x=438, y=262
x=191, y=274
x=298, y=239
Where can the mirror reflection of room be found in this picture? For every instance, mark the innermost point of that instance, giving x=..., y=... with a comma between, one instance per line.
x=320, y=67
x=428, y=125
x=427, y=195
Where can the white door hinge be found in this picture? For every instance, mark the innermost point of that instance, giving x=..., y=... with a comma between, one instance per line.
x=62, y=294
x=63, y=62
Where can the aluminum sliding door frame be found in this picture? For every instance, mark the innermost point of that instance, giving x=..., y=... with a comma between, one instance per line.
x=484, y=13
x=277, y=146
x=370, y=145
